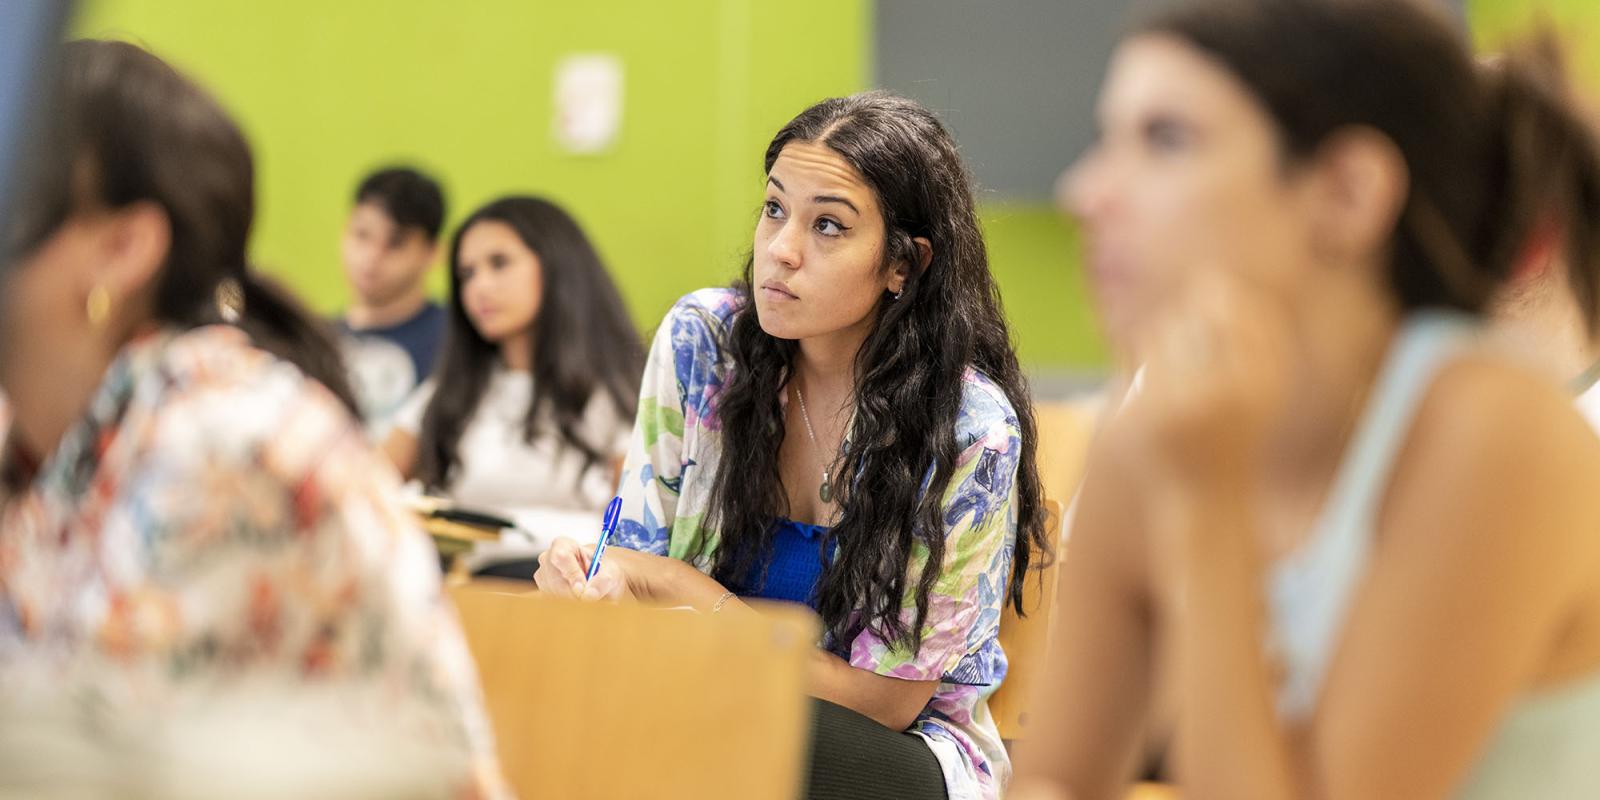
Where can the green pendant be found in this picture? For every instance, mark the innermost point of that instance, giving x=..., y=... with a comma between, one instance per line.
x=826, y=492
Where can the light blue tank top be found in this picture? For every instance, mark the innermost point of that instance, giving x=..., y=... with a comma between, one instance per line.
x=1548, y=747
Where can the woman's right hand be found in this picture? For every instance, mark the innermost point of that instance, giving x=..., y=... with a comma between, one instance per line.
x=563, y=571
x=1216, y=378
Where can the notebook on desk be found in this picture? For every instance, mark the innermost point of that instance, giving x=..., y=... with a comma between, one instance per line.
x=429, y=507
x=504, y=535
x=534, y=530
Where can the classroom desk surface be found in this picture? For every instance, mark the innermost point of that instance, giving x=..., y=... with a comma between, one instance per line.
x=594, y=701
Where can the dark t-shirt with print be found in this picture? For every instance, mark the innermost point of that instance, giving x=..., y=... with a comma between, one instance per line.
x=385, y=364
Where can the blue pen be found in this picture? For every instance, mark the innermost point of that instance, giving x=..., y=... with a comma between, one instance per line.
x=613, y=511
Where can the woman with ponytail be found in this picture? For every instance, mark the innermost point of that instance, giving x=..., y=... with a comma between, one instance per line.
x=1353, y=540
x=1550, y=304
x=188, y=500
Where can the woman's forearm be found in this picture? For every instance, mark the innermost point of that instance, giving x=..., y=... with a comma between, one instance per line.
x=1231, y=744
x=891, y=702
x=668, y=581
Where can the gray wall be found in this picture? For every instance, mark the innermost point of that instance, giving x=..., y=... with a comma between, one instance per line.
x=1015, y=79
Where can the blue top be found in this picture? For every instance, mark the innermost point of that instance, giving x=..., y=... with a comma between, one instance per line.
x=1547, y=744
x=666, y=489
x=790, y=569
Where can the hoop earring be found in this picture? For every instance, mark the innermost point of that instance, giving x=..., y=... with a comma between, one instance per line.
x=98, y=306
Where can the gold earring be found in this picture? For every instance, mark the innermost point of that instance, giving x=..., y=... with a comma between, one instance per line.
x=98, y=308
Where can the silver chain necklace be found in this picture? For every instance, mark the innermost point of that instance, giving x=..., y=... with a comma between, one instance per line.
x=826, y=490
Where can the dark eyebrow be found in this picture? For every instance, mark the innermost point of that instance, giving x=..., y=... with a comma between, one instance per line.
x=828, y=198
x=821, y=198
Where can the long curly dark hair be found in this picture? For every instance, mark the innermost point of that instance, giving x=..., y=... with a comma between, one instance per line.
x=584, y=344
x=908, y=391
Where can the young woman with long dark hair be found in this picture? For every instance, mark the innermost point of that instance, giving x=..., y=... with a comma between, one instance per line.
x=529, y=409
x=847, y=427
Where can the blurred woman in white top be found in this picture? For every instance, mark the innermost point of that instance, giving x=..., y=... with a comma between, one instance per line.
x=528, y=412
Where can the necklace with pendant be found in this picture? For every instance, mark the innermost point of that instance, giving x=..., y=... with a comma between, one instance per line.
x=826, y=490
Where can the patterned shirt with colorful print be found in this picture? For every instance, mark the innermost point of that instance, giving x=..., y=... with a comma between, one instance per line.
x=666, y=488
x=217, y=519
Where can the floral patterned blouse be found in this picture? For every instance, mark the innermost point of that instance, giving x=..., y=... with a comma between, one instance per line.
x=217, y=518
x=666, y=487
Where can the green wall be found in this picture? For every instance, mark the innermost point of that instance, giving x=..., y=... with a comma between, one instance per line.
x=1034, y=255
x=1495, y=22
x=328, y=90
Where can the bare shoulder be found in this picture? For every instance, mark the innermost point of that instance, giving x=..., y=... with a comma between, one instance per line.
x=1485, y=408
x=1497, y=443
